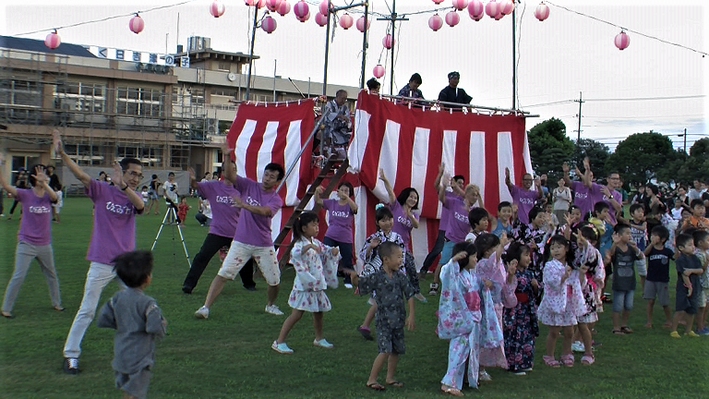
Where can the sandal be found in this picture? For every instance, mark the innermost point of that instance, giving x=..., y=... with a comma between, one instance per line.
x=451, y=391
x=375, y=386
x=7, y=315
x=618, y=331
x=59, y=308
x=626, y=330
x=667, y=325
x=587, y=360
x=551, y=362
x=395, y=383
x=568, y=360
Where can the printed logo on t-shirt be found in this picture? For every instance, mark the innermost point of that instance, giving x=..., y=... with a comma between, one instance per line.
x=460, y=218
x=405, y=221
x=663, y=258
x=119, y=209
x=224, y=199
x=526, y=201
x=40, y=209
x=579, y=195
x=252, y=201
x=340, y=214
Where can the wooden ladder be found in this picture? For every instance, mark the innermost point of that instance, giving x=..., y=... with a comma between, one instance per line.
x=334, y=169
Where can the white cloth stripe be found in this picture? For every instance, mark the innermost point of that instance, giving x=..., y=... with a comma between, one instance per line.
x=478, y=163
x=419, y=243
x=505, y=159
x=360, y=232
x=265, y=152
x=276, y=224
x=419, y=162
x=293, y=146
x=388, y=159
x=359, y=141
x=242, y=145
x=525, y=155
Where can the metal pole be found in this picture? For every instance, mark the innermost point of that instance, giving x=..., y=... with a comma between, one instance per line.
x=514, y=58
x=578, y=140
x=685, y=140
x=391, y=68
x=327, y=48
x=364, y=45
x=274, y=80
x=251, y=54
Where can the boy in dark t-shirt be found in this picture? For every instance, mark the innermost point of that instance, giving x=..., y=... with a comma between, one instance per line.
x=658, y=274
x=688, y=290
x=623, y=253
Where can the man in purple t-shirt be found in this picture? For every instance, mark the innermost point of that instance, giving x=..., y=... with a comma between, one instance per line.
x=220, y=195
x=609, y=194
x=523, y=196
x=583, y=197
x=115, y=206
x=258, y=203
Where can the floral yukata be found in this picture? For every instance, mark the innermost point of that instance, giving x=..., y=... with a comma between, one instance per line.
x=592, y=283
x=563, y=302
x=315, y=271
x=464, y=310
x=520, y=324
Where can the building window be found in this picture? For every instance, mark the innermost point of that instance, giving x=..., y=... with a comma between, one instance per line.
x=79, y=96
x=20, y=99
x=139, y=101
x=179, y=156
x=148, y=156
x=84, y=154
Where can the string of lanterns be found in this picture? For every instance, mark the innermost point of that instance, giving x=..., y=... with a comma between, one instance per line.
x=495, y=9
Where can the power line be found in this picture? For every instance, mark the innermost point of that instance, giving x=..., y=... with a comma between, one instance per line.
x=703, y=53
x=648, y=98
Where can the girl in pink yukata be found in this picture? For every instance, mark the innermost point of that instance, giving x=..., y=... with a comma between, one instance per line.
x=587, y=254
x=372, y=262
x=504, y=283
x=464, y=305
x=563, y=302
x=316, y=269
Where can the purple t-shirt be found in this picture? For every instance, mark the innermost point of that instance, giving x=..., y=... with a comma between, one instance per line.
x=224, y=214
x=458, y=224
x=36, y=226
x=255, y=229
x=402, y=224
x=114, y=222
x=525, y=200
x=583, y=197
x=597, y=196
x=339, y=221
x=446, y=213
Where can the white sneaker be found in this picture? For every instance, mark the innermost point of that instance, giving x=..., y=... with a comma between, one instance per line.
x=281, y=348
x=323, y=343
x=272, y=309
x=578, y=346
x=348, y=285
x=484, y=376
x=202, y=313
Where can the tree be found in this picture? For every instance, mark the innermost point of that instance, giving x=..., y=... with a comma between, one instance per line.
x=641, y=156
x=695, y=166
x=597, y=153
x=549, y=147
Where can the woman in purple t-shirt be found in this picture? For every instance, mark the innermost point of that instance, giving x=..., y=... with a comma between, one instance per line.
x=340, y=217
x=34, y=240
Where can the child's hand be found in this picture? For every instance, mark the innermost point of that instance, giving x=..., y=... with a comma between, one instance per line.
x=319, y=190
x=687, y=273
x=382, y=176
x=487, y=283
x=335, y=251
x=374, y=243
x=410, y=324
x=503, y=240
x=583, y=269
x=512, y=266
x=459, y=256
x=654, y=240
x=354, y=277
x=535, y=283
x=616, y=238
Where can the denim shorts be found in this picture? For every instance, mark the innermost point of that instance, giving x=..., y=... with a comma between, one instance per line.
x=447, y=252
x=623, y=300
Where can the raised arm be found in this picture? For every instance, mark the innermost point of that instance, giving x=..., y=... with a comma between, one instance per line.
x=42, y=180
x=117, y=179
x=538, y=186
x=387, y=185
x=437, y=181
x=193, y=180
x=508, y=181
x=228, y=166
x=5, y=185
x=318, y=191
x=567, y=179
x=75, y=169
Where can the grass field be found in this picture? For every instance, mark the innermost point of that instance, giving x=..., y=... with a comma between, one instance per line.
x=229, y=355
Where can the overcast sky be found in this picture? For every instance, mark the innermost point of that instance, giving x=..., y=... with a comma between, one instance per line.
x=558, y=58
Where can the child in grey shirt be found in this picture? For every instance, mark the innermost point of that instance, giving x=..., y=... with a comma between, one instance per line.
x=137, y=320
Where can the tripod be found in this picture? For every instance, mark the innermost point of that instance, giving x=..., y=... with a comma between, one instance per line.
x=170, y=218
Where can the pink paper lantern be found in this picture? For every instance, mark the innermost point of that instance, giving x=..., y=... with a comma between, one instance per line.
x=507, y=6
x=542, y=12
x=136, y=24
x=325, y=7
x=273, y=5
x=53, y=40
x=622, y=40
x=304, y=18
x=435, y=22
x=492, y=8
x=301, y=9
x=378, y=71
x=250, y=2
x=476, y=9
x=360, y=23
x=320, y=19
x=284, y=8
x=268, y=24
x=460, y=4
x=216, y=9
x=452, y=19
x=438, y=1
x=388, y=41
x=346, y=21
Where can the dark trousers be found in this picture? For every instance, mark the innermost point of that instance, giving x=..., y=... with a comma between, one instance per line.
x=346, y=252
x=437, y=248
x=14, y=205
x=203, y=220
x=211, y=245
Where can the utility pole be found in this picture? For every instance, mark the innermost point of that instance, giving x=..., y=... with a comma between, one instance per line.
x=393, y=17
x=580, y=101
x=685, y=140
